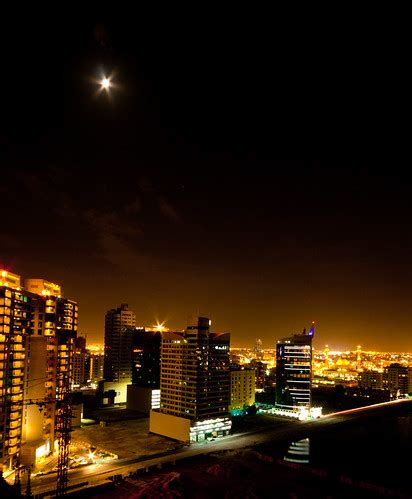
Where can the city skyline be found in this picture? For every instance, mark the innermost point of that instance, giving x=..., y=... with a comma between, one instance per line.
x=164, y=191
x=196, y=299
x=269, y=339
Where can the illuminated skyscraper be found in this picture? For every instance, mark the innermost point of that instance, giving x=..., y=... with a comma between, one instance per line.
x=194, y=384
x=294, y=370
x=15, y=317
x=118, y=336
x=50, y=364
x=37, y=327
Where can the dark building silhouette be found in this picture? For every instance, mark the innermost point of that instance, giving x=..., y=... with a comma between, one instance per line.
x=118, y=336
x=146, y=358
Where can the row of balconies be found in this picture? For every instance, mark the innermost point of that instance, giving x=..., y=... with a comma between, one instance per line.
x=15, y=424
x=14, y=433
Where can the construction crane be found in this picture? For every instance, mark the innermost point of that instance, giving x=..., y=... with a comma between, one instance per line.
x=63, y=432
x=63, y=428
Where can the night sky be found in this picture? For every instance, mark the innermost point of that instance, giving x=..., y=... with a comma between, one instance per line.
x=172, y=195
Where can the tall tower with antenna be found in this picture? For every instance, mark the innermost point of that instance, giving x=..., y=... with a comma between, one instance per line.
x=258, y=348
x=359, y=358
x=326, y=352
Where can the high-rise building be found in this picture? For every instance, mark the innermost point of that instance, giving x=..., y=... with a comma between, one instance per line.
x=260, y=370
x=80, y=375
x=96, y=367
x=55, y=318
x=37, y=327
x=118, y=337
x=194, y=384
x=371, y=379
x=396, y=380
x=144, y=392
x=242, y=388
x=15, y=319
x=294, y=370
x=146, y=357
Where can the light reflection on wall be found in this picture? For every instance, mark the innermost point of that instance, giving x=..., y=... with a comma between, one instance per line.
x=298, y=452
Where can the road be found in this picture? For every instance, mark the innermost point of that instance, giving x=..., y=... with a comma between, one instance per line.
x=288, y=431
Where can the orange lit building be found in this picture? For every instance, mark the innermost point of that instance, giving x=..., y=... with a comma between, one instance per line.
x=37, y=327
x=15, y=317
x=242, y=387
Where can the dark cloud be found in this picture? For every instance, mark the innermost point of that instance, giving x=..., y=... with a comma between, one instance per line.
x=169, y=211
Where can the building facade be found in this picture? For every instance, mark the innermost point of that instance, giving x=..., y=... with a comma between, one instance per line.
x=194, y=384
x=396, y=379
x=260, y=370
x=37, y=326
x=118, y=340
x=371, y=379
x=146, y=358
x=294, y=371
x=80, y=374
x=96, y=362
x=15, y=325
x=242, y=388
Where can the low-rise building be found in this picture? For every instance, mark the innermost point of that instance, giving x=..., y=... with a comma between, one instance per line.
x=242, y=388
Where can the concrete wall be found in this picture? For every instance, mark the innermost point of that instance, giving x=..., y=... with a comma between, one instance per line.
x=139, y=398
x=170, y=426
x=77, y=413
x=33, y=415
x=119, y=387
